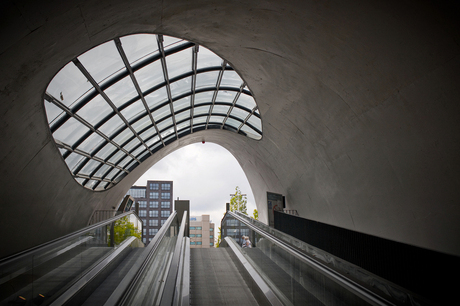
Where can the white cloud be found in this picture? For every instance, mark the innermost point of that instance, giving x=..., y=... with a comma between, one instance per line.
x=206, y=174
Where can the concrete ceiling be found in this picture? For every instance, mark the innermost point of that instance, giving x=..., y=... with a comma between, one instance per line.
x=359, y=104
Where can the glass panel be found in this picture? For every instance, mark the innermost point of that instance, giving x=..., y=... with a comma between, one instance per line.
x=152, y=141
x=183, y=115
x=231, y=78
x=89, y=167
x=179, y=63
x=150, y=75
x=204, y=97
x=69, y=85
x=181, y=104
x=123, y=136
x=239, y=113
x=233, y=123
x=133, y=110
x=225, y=96
x=112, y=173
x=91, y=183
x=246, y=101
x=140, y=149
x=142, y=123
x=151, y=131
x=161, y=113
x=250, y=132
x=157, y=97
x=126, y=160
x=143, y=155
x=95, y=110
x=166, y=123
x=117, y=157
x=102, y=171
x=102, y=61
x=201, y=110
x=74, y=160
x=111, y=126
x=132, y=144
x=106, y=151
x=139, y=46
x=207, y=58
x=91, y=143
x=256, y=122
x=180, y=87
x=207, y=79
x=101, y=186
x=199, y=120
x=53, y=112
x=216, y=119
x=183, y=125
x=70, y=131
x=122, y=91
x=220, y=109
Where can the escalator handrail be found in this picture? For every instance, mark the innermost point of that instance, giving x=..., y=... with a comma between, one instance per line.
x=337, y=277
x=128, y=284
x=171, y=280
x=48, y=245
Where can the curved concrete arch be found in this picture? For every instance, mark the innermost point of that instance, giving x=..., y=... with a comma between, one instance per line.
x=359, y=105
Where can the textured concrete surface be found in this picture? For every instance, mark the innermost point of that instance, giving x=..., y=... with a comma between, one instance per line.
x=215, y=280
x=359, y=104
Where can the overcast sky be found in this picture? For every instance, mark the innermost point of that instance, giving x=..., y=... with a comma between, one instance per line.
x=206, y=174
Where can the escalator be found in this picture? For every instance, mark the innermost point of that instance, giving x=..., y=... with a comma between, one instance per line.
x=90, y=267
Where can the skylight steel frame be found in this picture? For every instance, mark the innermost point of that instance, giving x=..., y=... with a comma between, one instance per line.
x=131, y=157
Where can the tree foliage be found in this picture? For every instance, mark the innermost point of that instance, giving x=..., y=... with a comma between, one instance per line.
x=255, y=214
x=124, y=229
x=219, y=238
x=238, y=201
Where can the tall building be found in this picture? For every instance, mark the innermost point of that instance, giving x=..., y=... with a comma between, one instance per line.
x=201, y=232
x=155, y=205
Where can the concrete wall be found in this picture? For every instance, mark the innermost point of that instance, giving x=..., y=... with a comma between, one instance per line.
x=359, y=103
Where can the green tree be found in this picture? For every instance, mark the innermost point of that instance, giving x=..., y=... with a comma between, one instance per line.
x=123, y=229
x=238, y=201
x=219, y=238
x=255, y=214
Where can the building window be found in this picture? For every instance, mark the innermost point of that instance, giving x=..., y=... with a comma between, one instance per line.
x=211, y=236
x=198, y=242
x=163, y=222
x=153, y=186
x=143, y=231
x=198, y=227
x=192, y=243
x=192, y=227
x=165, y=213
x=198, y=235
x=153, y=222
x=165, y=204
x=142, y=204
x=211, y=244
x=192, y=235
x=153, y=204
x=165, y=195
x=211, y=229
x=153, y=231
x=144, y=222
x=144, y=240
x=154, y=195
x=153, y=213
x=142, y=213
x=166, y=186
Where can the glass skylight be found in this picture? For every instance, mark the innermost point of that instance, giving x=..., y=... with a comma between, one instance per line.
x=114, y=106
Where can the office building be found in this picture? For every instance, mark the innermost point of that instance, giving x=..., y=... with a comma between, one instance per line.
x=201, y=232
x=155, y=205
